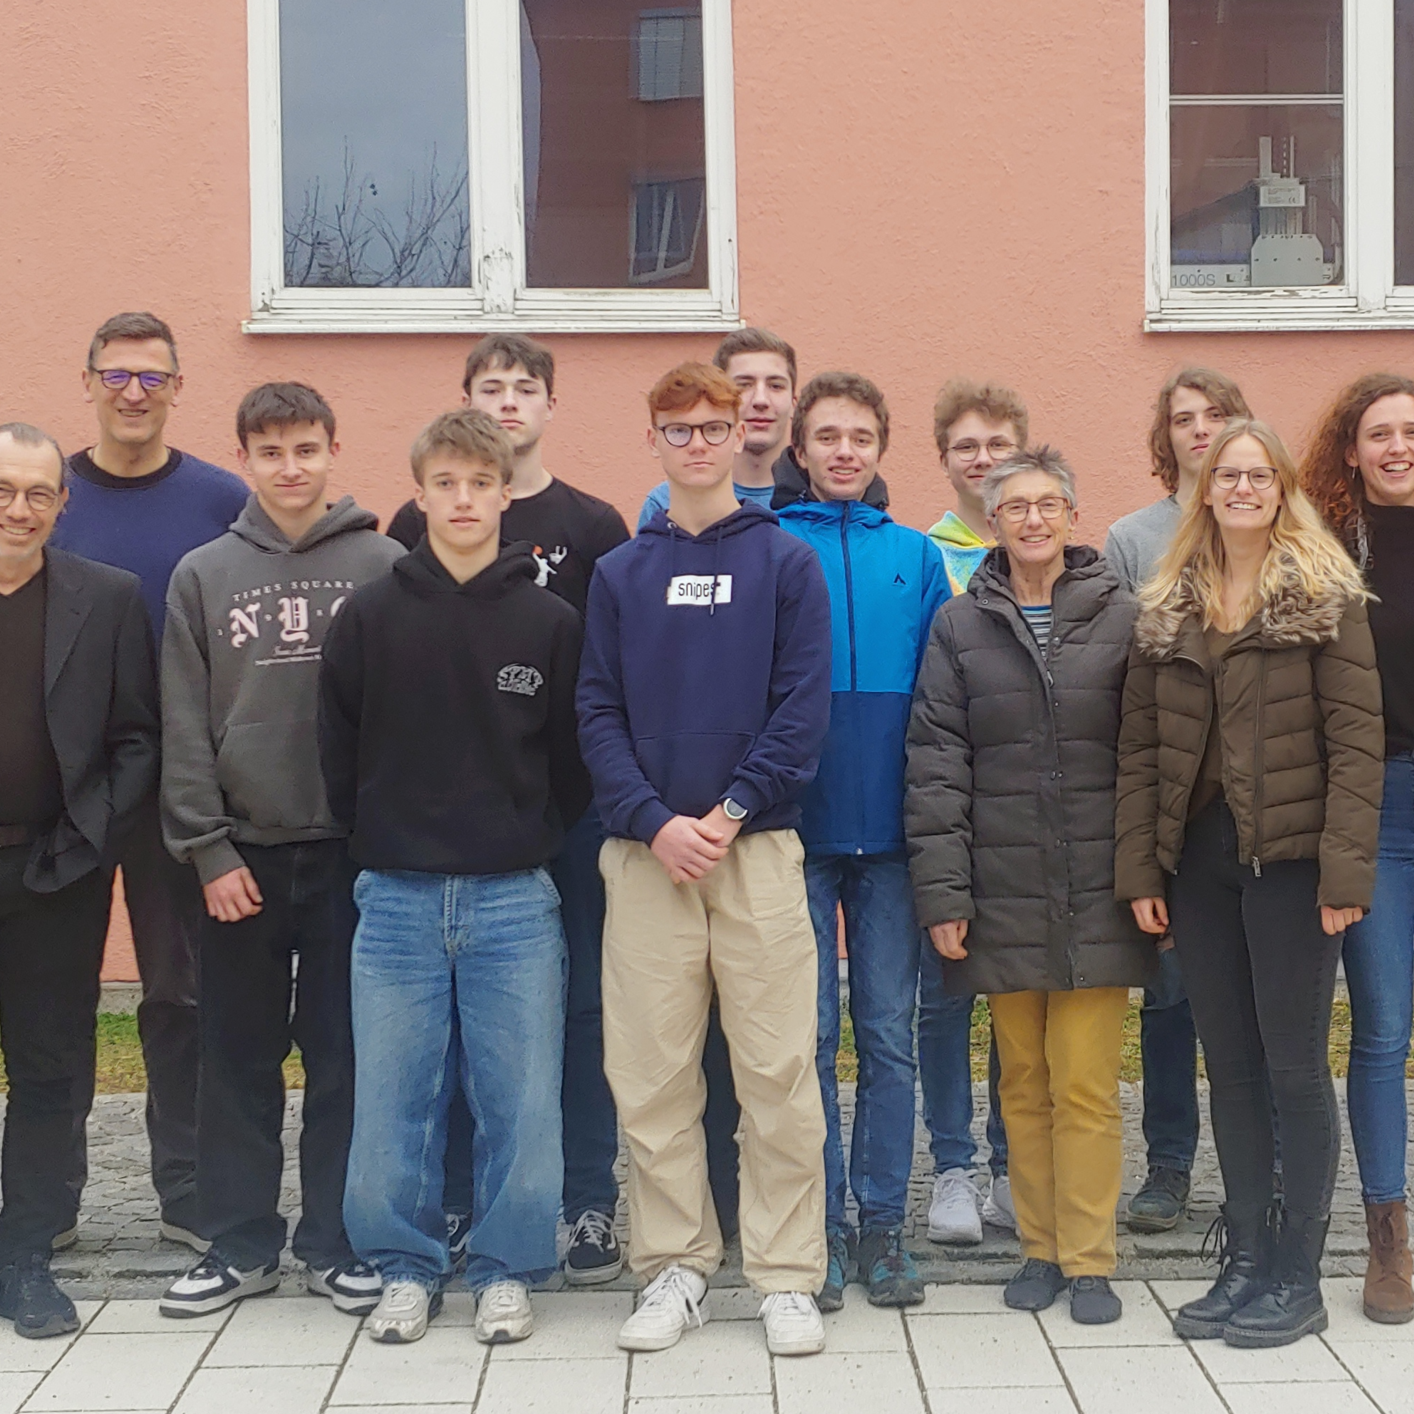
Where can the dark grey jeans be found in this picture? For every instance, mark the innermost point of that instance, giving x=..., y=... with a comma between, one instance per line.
x=1261, y=978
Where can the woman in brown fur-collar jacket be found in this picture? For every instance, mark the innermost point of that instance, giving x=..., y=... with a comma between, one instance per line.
x=1250, y=773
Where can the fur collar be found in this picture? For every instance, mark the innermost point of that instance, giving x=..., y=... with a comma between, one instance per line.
x=1290, y=618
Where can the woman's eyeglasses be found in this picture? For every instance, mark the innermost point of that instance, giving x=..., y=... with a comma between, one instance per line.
x=1259, y=478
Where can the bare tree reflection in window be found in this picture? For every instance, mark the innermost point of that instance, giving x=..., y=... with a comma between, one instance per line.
x=348, y=239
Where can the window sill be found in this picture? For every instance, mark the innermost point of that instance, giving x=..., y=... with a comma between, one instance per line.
x=458, y=312
x=1283, y=313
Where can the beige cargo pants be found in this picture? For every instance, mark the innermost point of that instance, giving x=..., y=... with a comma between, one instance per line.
x=747, y=928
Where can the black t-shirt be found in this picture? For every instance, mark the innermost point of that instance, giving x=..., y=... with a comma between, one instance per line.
x=1392, y=618
x=31, y=792
x=568, y=529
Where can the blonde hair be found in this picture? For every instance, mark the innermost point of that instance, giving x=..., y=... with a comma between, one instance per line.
x=1300, y=547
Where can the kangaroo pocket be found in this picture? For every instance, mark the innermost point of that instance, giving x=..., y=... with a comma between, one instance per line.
x=269, y=773
x=692, y=770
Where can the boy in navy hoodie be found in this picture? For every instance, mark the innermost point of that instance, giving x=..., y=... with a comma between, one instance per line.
x=703, y=703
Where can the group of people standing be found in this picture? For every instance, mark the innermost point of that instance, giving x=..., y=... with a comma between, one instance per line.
x=526, y=831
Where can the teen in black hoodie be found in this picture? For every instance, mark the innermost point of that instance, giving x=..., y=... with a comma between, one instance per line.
x=448, y=744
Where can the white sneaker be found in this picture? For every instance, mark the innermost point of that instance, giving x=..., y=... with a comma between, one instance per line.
x=955, y=1213
x=403, y=1312
x=670, y=1303
x=503, y=1313
x=794, y=1325
x=999, y=1209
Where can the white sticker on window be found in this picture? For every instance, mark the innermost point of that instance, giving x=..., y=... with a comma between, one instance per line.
x=697, y=589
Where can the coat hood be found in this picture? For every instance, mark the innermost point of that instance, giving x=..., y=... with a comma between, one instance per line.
x=792, y=484
x=423, y=573
x=256, y=528
x=1290, y=617
x=744, y=518
x=955, y=532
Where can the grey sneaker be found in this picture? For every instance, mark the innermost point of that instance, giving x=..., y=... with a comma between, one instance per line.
x=955, y=1212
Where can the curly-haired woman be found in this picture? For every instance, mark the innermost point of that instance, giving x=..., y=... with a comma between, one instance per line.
x=1360, y=472
x=1250, y=767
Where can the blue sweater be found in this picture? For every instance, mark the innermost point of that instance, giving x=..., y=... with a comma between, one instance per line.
x=147, y=523
x=886, y=584
x=686, y=697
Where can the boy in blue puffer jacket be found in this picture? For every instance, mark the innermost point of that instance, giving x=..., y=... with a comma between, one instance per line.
x=886, y=583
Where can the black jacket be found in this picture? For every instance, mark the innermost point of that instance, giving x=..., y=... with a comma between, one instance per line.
x=100, y=701
x=446, y=718
x=1010, y=809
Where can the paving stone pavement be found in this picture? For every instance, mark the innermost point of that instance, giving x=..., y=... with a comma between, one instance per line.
x=961, y=1351
x=120, y=1253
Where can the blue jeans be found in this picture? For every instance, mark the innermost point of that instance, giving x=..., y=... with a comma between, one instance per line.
x=1168, y=1046
x=945, y=1072
x=881, y=936
x=1379, y=970
x=484, y=955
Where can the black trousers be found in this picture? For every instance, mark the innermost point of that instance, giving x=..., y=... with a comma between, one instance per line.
x=1260, y=974
x=166, y=910
x=254, y=1003
x=51, y=951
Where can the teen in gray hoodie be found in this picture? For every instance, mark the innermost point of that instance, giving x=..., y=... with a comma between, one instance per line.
x=243, y=802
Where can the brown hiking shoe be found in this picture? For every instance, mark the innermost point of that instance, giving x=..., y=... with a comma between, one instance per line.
x=1389, y=1297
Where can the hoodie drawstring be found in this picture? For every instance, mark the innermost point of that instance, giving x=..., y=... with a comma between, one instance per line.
x=716, y=561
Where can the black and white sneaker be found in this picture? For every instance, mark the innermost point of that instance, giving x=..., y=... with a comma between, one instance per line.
x=594, y=1254
x=458, y=1235
x=353, y=1286
x=212, y=1286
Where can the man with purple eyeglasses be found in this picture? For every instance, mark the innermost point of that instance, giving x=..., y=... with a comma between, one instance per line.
x=138, y=504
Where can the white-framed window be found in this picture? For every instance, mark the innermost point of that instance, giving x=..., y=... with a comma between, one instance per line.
x=467, y=165
x=1280, y=164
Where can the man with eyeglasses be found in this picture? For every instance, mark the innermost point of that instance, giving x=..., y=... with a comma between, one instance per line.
x=704, y=698
x=977, y=426
x=1190, y=411
x=137, y=504
x=886, y=583
x=78, y=700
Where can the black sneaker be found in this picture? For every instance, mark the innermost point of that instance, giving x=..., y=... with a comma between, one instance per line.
x=1093, y=1301
x=353, y=1286
x=29, y=1297
x=841, y=1250
x=594, y=1254
x=1035, y=1286
x=458, y=1235
x=887, y=1270
x=1163, y=1199
x=211, y=1285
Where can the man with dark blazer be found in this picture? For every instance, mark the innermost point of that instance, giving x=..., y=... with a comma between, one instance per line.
x=79, y=751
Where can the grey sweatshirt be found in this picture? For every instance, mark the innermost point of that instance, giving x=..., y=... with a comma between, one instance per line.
x=1136, y=542
x=246, y=619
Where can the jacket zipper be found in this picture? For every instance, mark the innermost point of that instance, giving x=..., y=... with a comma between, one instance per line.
x=848, y=595
x=853, y=664
x=1257, y=757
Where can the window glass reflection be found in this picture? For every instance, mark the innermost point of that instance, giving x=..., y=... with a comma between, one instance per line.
x=1255, y=46
x=373, y=108
x=614, y=145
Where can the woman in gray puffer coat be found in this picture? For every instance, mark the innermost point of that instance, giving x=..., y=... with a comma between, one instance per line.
x=1010, y=822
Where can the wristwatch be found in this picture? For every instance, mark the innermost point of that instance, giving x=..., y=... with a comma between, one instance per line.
x=732, y=810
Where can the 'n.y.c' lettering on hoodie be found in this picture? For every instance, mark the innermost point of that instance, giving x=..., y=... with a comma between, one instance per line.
x=246, y=619
x=706, y=674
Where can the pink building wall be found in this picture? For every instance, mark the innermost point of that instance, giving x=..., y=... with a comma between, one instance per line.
x=925, y=188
